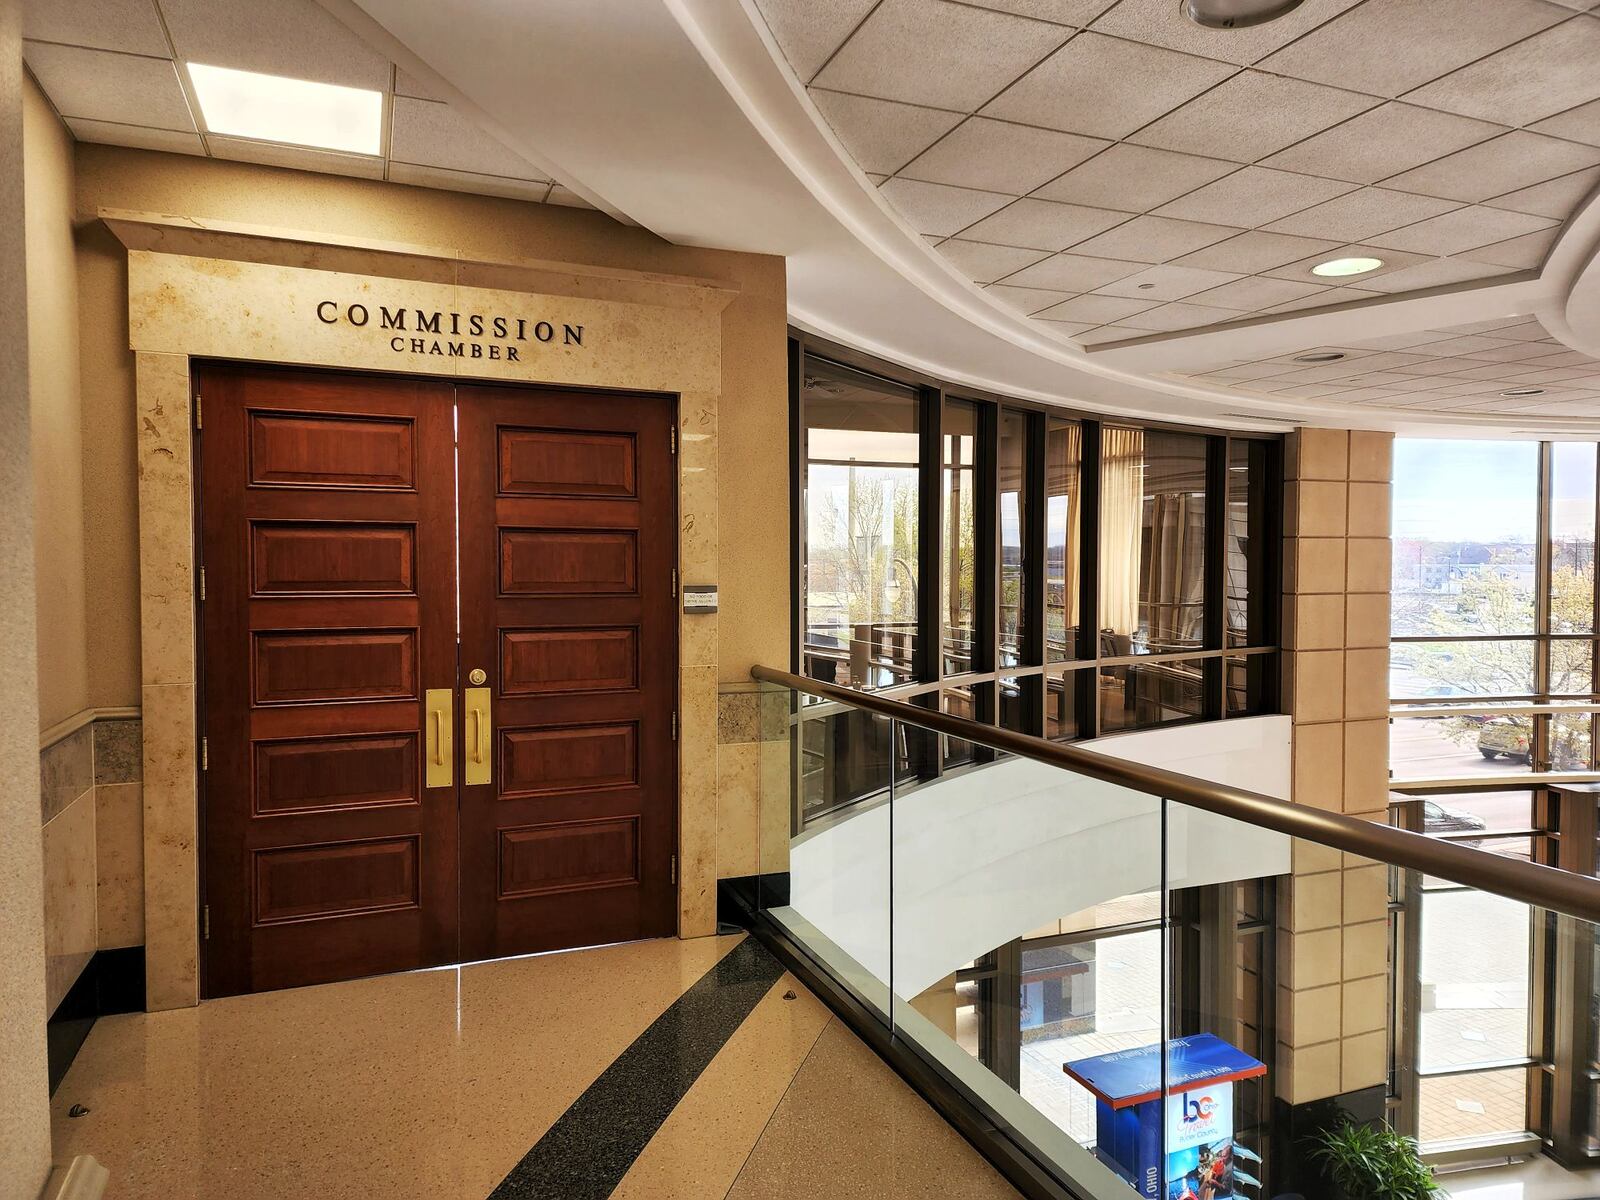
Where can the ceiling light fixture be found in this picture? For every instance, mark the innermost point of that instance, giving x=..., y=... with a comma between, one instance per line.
x=1325, y=357
x=1236, y=14
x=1516, y=393
x=1346, y=266
x=298, y=112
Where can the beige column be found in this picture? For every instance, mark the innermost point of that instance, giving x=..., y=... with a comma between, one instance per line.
x=24, y=1090
x=1332, y=937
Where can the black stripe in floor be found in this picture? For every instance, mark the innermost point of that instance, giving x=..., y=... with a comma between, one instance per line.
x=585, y=1154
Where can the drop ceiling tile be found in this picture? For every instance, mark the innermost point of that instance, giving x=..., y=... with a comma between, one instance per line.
x=466, y=181
x=1070, y=328
x=1251, y=116
x=1328, y=298
x=271, y=154
x=1134, y=178
x=1528, y=329
x=1105, y=86
x=936, y=53
x=1259, y=292
x=1253, y=196
x=110, y=133
x=1558, y=198
x=1581, y=124
x=1073, y=273
x=1248, y=372
x=1464, y=229
x=984, y=263
x=295, y=38
x=1523, y=253
x=1162, y=23
x=1169, y=318
x=935, y=208
x=1153, y=239
x=1515, y=352
x=881, y=135
x=130, y=26
x=1383, y=142
x=1043, y=225
x=1255, y=251
x=1437, y=272
x=1577, y=376
x=1000, y=156
x=808, y=31
x=1064, y=12
x=1100, y=310
x=99, y=85
x=1544, y=75
x=1026, y=300
x=1518, y=160
x=1362, y=214
x=431, y=134
x=1167, y=283
x=1389, y=48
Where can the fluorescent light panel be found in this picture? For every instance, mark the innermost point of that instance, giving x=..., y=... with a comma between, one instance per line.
x=297, y=112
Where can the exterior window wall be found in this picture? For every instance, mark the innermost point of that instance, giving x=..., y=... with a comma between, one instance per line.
x=1036, y=569
x=1491, y=744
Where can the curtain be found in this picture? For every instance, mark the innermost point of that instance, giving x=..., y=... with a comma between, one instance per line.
x=1121, y=521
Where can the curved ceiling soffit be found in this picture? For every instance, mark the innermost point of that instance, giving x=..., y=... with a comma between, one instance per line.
x=740, y=50
x=1574, y=268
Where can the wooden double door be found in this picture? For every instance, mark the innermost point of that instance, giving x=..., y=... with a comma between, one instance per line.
x=439, y=643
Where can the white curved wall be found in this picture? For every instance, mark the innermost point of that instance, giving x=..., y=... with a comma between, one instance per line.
x=985, y=856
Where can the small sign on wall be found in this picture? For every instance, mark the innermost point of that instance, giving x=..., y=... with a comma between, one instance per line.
x=699, y=597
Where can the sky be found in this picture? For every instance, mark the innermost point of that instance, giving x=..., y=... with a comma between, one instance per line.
x=1476, y=491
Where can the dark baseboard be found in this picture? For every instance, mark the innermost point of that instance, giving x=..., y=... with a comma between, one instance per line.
x=112, y=982
x=737, y=905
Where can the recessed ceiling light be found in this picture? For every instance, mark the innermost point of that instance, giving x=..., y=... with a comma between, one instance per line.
x=1326, y=356
x=1514, y=393
x=1347, y=266
x=271, y=108
x=1236, y=14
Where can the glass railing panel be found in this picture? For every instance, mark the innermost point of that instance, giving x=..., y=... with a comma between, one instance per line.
x=1027, y=938
x=825, y=854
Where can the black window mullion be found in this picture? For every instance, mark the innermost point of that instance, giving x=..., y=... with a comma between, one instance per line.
x=929, y=661
x=1035, y=569
x=1215, y=584
x=1086, y=680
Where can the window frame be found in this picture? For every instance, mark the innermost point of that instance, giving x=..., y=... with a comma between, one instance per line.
x=1080, y=673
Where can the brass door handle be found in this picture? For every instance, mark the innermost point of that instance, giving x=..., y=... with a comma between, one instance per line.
x=479, y=768
x=440, y=706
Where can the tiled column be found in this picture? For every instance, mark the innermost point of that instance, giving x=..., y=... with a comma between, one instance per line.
x=1333, y=943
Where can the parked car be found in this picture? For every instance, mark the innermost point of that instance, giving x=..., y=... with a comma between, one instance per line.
x=1510, y=736
x=1436, y=818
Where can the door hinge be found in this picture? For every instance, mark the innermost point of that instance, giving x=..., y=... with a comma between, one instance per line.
x=674, y=449
x=202, y=583
x=206, y=921
x=205, y=755
x=674, y=725
x=197, y=423
x=674, y=583
x=674, y=878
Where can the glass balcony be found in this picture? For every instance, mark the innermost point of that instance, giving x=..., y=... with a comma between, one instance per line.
x=1094, y=957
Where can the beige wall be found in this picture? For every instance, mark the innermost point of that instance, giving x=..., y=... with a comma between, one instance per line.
x=752, y=422
x=56, y=411
x=24, y=1095
x=1333, y=936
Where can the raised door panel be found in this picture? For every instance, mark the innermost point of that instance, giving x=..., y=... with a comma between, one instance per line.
x=561, y=759
x=564, y=562
x=542, y=662
x=332, y=450
x=332, y=558
x=342, y=879
x=569, y=856
x=565, y=462
x=302, y=775
x=305, y=667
